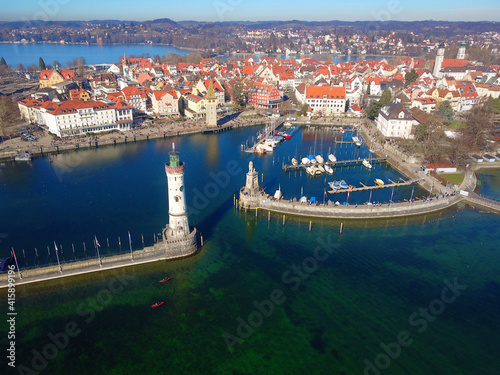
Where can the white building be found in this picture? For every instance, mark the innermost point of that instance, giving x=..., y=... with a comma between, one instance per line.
x=326, y=99
x=394, y=120
x=73, y=117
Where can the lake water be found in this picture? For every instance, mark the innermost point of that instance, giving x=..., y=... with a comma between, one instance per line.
x=333, y=316
x=28, y=54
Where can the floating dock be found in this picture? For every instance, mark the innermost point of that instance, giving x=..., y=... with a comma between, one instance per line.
x=340, y=163
x=364, y=187
x=269, y=131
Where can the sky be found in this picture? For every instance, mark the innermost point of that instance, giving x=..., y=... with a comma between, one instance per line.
x=252, y=10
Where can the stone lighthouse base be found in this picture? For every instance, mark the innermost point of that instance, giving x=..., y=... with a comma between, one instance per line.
x=178, y=247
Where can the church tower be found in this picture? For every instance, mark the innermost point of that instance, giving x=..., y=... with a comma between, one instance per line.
x=211, y=107
x=178, y=226
x=439, y=60
x=461, y=51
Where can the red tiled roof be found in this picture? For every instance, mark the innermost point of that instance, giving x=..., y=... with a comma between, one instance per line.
x=332, y=92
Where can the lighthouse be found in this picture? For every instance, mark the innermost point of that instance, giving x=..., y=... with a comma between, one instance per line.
x=178, y=226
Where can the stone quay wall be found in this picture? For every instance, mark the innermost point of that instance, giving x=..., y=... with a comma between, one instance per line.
x=163, y=250
x=267, y=203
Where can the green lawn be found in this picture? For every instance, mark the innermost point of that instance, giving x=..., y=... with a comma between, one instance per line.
x=454, y=178
x=457, y=124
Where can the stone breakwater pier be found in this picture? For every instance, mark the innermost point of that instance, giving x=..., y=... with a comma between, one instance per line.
x=253, y=197
x=163, y=250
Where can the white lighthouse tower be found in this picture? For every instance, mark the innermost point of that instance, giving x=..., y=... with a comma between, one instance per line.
x=178, y=226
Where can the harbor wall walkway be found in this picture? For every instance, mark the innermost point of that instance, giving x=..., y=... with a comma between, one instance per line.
x=160, y=251
x=265, y=202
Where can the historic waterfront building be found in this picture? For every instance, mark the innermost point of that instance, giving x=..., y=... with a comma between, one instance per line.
x=326, y=100
x=395, y=121
x=73, y=117
x=211, y=107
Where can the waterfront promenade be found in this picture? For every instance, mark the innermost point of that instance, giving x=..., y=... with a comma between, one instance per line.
x=46, y=144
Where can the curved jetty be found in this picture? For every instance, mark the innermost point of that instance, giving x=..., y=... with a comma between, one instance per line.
x=254, y=197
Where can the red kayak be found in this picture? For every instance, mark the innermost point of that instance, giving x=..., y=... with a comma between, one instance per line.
x=157, y=304
x=165, y=280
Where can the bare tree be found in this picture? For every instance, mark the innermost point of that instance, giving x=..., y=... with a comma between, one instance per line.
x=9, y=113
x=479, y=129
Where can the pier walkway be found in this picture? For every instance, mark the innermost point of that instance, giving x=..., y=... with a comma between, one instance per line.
x=337, y=164
x=385, y=186
x=483, y=201
x=162, y=250
x=265, y=202
x=270, y=129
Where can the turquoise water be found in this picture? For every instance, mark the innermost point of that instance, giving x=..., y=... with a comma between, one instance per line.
x=335, y=303
x=489, y=183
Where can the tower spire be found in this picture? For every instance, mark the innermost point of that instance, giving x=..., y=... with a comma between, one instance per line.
x=211, y=91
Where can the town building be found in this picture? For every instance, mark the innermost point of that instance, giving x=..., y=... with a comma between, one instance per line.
x=74, y=117
x=395, y=121
x=326, y=100
x=211, y=107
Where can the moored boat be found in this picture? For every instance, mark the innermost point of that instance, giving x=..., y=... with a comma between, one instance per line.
x=319, y=159
x=328, y=169
x=277, y=194
x=294, y=161
x=320, y=169
x=380, y=182
x=335, y=185
x=24, y=156
x=332, y=158
x=343, y=184
x=310, y=170
x=305, y=161
x=367, y=164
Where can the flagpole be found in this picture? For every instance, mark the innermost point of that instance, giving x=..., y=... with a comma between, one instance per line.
x=57, y=256
x=130, y=244
x=411, y=198
x=96, y=243
x=392, y=194
x=15, y=258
